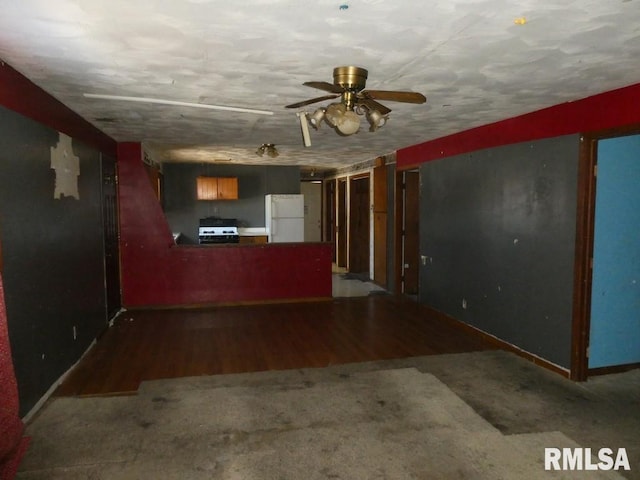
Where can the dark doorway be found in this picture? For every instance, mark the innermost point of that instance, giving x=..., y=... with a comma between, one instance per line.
x=111, y=237
x=330, y=214
x=341, y=240
x=411, y=229
x=312, y=191
x=380, y=225
x=359, y=224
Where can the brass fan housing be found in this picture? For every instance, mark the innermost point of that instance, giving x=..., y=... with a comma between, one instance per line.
x=349, y=83
x=350, y=78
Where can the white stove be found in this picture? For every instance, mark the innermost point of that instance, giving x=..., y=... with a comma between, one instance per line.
x=218, y=230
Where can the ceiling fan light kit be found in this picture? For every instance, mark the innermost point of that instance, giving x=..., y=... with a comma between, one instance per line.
x=334, y=114
x=268, y=148
x=315, y=119
x=348, y=84
x=304, y=126
x=376, y=120
x=349, y=123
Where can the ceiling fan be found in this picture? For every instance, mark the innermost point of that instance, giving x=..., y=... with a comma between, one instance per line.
x=348, y=84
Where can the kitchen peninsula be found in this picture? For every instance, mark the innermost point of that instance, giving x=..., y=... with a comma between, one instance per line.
x=158, y=273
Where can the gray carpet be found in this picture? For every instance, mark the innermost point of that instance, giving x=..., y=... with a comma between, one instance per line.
x=489, y=415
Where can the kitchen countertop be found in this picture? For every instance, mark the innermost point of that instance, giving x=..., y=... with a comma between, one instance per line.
x=252, y=231
x=250, y=245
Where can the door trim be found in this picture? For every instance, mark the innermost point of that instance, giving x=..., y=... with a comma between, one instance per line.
x=410, y=264
x=363, y=214
x=342, y=218
x=398, y=216
x=585, y=224
x=583, y=253
x=399, y=206
x=380, y=224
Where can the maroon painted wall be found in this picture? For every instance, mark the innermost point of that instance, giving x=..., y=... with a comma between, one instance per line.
x=155, y=272
x=613, y=109
x=19, y=94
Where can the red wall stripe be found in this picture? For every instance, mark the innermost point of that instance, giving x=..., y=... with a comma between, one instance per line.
x=24, y=97
x=612, y=109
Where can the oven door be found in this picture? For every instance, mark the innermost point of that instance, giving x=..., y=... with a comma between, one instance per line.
x=217, y=239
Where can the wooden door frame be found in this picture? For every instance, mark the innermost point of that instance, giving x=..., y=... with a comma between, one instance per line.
x=410, y=255
x=398, y=220
x=380, y=229
x=350, y=216
x=322, y=206
x=585, y=225
x=329, y=188
x=342, y=219
x=398, y=205
x=111, y=289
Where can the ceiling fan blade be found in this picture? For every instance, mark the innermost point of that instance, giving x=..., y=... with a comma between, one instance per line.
x=407, y=97
x=176, y=103
x=326, y=86
x=371, y=104
x=313, y=100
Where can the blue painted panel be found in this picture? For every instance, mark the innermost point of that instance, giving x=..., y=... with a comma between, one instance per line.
x=615, y=298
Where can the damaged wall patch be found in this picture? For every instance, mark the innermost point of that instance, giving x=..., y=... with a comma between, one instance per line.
x=67, y=168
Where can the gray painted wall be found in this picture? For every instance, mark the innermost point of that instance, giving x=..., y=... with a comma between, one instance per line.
x=53, y=256
x=183, y=210
x=498, y=230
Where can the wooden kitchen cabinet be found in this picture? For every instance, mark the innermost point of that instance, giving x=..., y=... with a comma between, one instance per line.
x=217, y=188
x=255, y=239
x=227, y=188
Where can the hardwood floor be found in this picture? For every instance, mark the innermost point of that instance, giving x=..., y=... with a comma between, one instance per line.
x=155, y=344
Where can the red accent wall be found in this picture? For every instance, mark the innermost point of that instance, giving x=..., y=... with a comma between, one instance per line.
x=21, y=95
x=155, y=272
x=613, y=109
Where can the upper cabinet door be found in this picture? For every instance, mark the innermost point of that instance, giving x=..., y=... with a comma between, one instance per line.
x=227, y=188
x=217, y=188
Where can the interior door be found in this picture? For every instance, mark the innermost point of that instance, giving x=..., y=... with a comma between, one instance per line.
x=380, y=225
x=341, y=238
x=411, y=229
x=329, y=234
x=111, y=237
x=359, y=225
x=312, y=192
x=614, y=337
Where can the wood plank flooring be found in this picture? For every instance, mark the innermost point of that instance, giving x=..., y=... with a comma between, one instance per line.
x=155, y=344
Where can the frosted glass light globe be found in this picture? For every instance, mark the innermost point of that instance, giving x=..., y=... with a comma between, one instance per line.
x=350, y=123
x=335, y=113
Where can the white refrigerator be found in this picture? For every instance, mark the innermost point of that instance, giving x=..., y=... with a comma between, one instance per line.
x=284, y=218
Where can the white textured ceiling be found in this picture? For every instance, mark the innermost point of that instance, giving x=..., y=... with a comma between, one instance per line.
x=469, y=57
